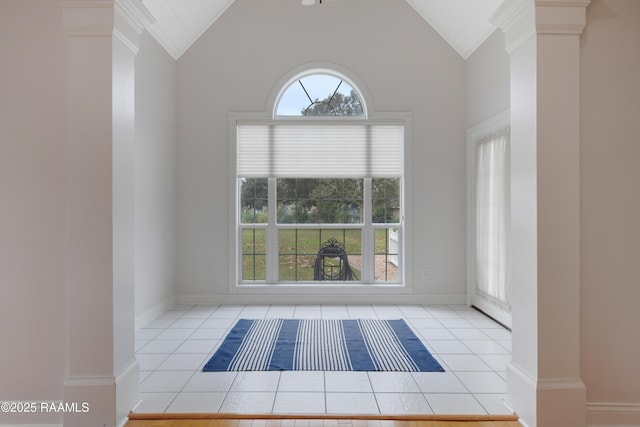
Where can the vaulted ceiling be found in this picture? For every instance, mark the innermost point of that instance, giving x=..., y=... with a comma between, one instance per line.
x=464, y=24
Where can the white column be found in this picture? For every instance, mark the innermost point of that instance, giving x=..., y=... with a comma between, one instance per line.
x=102, y=40
x=516, y=19
x=561, y=391
x=543, y=40
x=89, y=27
x=129, y=23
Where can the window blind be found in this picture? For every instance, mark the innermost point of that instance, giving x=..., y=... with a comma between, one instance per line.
x=319, y=150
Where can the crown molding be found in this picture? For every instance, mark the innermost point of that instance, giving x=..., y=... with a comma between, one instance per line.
x=164, y=41
x=131, y=18
x=132, y=45
x=516, y=18
x=136, y=13
x=567, y=17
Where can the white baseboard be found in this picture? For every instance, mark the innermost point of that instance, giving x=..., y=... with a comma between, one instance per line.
x=98, y=393
x=149, y=315
x=92, y=400
x=127, y=382
x=31, y=425
x=562, y=402
x=521, y=394
x=609, y=414
x=249, y=299
x=548, y=401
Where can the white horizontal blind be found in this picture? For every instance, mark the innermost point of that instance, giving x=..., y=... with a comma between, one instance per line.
x=319, y=150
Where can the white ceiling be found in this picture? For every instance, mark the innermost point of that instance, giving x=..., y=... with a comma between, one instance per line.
x=464, y=24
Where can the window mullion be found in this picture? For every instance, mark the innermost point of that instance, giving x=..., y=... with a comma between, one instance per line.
x=368, y=257
x=272, y=233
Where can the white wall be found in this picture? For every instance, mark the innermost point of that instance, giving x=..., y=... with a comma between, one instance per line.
x=405, y=66
x=610, y=229
x=488, y=100
x=32, y=205
x=155, y=178
x=488, y=80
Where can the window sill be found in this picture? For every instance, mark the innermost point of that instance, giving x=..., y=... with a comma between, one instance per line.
x=325, y=288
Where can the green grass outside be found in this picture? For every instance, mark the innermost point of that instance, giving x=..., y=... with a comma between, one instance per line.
x=298, y=248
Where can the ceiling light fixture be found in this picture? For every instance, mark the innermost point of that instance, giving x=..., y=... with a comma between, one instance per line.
x=312, y=2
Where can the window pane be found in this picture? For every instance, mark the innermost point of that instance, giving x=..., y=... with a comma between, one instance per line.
x=350, y=238
x=386, y=254
x=319, y=201
x=385, y=200
x=320, y=95
x=254, y=260
x=254, y=200
x=491, y=218
x=299, y=251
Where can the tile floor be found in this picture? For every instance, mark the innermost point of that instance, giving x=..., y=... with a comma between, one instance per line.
x=473, y=350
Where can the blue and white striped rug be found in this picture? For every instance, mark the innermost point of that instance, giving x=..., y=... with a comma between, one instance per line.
x=322, y=345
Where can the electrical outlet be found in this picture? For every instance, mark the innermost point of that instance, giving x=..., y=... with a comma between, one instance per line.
x=425, y=272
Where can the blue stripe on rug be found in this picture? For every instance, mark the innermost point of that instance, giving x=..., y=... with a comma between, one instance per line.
x=229, y=347
x=285, y=346
x=358, y=352
x=418, y=353
x=322, y=345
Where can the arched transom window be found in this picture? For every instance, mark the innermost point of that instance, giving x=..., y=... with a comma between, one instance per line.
x=320, y=94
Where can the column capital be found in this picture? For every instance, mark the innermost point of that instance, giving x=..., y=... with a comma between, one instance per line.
x=561, y=16
x=521, y=19
x=87, y=18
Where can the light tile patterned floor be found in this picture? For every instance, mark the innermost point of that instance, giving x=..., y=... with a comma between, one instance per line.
x=473, y=349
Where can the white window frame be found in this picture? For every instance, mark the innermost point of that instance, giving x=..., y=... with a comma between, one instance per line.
x=324, y=288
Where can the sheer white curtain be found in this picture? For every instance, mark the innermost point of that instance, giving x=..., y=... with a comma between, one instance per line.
x=492, y=217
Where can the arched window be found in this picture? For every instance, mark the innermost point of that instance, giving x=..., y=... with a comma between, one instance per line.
x=318, y=171
x=320, y=94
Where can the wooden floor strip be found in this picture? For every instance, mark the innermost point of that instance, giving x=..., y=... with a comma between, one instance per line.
x=272, y=420
x=225, y=416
